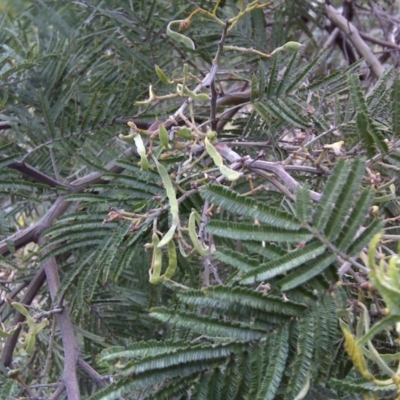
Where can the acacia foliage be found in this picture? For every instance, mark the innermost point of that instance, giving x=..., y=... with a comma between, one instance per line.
x=210, y=256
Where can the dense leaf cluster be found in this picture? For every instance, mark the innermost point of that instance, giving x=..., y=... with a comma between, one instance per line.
x=202, y=225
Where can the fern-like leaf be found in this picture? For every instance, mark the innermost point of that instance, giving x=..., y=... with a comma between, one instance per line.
x=300, y=369
x=246, y=206
x=243, y=231
x=208, y=326
x=283, y=264
x=278, y=350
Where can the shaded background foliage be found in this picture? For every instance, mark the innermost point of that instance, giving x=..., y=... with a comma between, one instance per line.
x=255, y=318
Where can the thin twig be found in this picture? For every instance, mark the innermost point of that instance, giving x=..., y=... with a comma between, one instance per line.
x=97, y=378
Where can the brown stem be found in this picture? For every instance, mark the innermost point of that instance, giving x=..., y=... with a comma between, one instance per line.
x=69, y=376
x=85, y=367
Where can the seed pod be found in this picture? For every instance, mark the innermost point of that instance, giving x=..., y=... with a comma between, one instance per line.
x=292, y=46
x=201, y=249
x=160, y=73
x=172, y=260
x=163, y=135
x=179, y=37
x=355, y=353
x=144, y=162
x=173, y=203
x=212, y=136
x=156, y=262
x=230, y=174
x=30, y=342
x=20, y=308
x=184, y=133
x=289, y=46
x=196, y=96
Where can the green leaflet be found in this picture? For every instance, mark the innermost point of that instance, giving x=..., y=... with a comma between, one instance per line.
x=246, y=206
x=278, y=350
x=301, y=366
x=395, y=97
x=239, y=260
x=355, y=220
x=304, y=204
x=333, y=188
x=369, y=132
x=212, y=326
x=280, y=109
x=345, y=199
x=254, y=299
x=273, y=78
x=288, y=75
x=306, y=272
x=180, y=356
x=245, y=231
x=283, y=264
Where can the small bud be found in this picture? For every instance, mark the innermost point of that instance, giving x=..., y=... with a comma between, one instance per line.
x=161, y=75
x=212, y=136
x=184, y=133
x=336, y=147
x=292, y=46
x=375, y=211
x=184, y=25
x=163, y=135
x=289, y=46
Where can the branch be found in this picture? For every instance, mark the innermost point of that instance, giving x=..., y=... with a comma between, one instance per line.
x=275, y=167
x=351, y=31
x=382, y=43
x=100, y=380
x=69, y=376
x=5, y=125
x=34, y=173
x=32, y=233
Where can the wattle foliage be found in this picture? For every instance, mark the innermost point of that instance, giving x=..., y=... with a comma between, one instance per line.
x=213, y=261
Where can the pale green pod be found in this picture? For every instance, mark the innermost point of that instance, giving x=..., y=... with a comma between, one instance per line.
x=161, y=75
x=184, y=133
x=213, y=153
x=183, y=251
x=202, y=250
x=41, y=326
x=156, y=262
x=229, y=174
x=289, y=46
x=4, y=334
x=212, y=136
x=163, y=135
x=20, y=308
x=198, y=97
x=178, y=36
x=172, y=261
x=173, y=203
x=144, y=162
x=292, y=46
x=30, y=342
